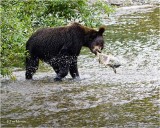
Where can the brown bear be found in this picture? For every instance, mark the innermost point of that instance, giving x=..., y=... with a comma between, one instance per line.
x=60, y=47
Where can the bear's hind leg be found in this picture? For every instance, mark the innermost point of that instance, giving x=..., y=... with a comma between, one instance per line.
x=32, y=64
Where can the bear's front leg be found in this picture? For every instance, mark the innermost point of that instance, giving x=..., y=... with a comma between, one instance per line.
x=73, y=69
x=63, y=71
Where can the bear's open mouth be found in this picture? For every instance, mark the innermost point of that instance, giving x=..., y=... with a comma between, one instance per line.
x=96, y=50
x=99, y=51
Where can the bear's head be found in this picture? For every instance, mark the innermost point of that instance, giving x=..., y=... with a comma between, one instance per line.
x=94, y=40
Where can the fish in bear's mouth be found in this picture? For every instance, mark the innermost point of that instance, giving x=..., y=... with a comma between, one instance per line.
x=108, y=60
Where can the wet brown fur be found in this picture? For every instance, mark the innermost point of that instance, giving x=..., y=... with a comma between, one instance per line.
x=60, y=47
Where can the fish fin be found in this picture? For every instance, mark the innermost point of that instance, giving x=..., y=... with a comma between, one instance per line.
x=114, y=69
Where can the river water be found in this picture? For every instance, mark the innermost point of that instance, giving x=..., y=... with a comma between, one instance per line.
x=101, y=98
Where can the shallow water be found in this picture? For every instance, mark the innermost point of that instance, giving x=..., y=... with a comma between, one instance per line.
x=101, y=98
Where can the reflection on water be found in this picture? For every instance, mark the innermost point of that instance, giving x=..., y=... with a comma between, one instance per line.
x=129, y=98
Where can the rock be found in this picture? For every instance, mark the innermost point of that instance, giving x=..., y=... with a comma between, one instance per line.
x=119, y=2
x=127, y=2
x=143, y=2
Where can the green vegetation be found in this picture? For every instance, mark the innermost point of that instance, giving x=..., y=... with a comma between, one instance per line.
x=21, y=18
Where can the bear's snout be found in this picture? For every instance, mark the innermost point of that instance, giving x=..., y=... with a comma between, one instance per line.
x=97, y=45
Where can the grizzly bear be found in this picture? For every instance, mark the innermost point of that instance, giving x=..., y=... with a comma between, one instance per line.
x=60, y=47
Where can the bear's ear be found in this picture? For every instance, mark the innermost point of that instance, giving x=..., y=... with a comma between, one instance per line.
x=101, y=30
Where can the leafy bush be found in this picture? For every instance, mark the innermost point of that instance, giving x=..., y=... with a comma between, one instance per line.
x=21, y=18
